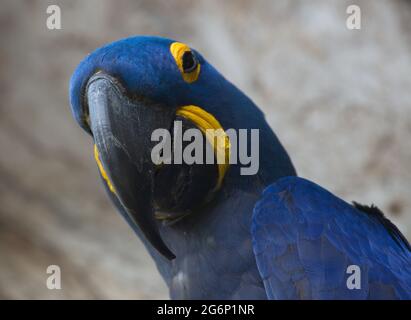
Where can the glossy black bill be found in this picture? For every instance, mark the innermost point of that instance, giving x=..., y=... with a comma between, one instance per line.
x=122, y=131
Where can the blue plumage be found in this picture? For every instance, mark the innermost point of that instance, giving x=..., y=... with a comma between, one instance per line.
x=305, y=238
x=295, y=240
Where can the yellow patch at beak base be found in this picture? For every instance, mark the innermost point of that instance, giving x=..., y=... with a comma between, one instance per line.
x=214, y=133
x=102, y=171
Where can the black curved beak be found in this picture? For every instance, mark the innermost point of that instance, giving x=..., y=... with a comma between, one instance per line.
x=122, y=130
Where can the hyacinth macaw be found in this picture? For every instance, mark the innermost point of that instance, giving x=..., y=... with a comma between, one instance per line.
x=214, y=233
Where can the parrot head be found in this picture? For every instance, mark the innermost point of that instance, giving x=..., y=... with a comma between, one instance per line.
x=123, y=92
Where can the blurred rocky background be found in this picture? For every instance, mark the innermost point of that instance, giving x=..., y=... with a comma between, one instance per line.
x=339, y=99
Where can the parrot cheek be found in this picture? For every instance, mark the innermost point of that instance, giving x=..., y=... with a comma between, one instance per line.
x=181, y=188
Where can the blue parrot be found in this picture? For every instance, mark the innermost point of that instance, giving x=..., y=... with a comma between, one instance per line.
x=213, y=232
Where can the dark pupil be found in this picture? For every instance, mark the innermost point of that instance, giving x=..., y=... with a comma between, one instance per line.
x=189, y=62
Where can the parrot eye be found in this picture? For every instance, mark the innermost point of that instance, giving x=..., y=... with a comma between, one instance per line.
x=189, y=62
x=186, y=61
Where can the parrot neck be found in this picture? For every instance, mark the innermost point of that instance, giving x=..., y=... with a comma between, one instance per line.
x=215, y=259
x=213, y=246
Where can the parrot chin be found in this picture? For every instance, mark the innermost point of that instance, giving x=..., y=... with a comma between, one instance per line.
x=121, y=128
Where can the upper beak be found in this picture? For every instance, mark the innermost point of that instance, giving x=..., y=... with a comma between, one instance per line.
x=122, y=129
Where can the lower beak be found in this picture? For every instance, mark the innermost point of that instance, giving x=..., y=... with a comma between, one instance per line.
x=122, y=130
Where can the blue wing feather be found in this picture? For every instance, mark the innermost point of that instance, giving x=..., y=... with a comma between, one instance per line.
x=304, y=239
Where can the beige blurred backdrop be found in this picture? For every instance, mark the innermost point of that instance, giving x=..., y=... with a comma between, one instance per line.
x=339, y=100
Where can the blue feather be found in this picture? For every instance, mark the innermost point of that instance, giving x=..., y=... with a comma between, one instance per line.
x=305, y=238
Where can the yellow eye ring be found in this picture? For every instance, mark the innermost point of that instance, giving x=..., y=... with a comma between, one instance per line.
x=186, y=61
